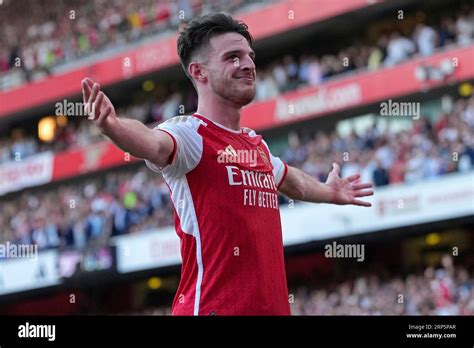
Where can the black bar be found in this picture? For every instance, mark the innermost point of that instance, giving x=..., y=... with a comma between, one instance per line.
x=141, y=330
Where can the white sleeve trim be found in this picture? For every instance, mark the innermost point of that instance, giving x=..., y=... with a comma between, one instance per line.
x=189, y=146
x=278, y=166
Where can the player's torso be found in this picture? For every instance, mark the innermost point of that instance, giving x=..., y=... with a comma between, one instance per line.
x=235, y=198
x=234, y=181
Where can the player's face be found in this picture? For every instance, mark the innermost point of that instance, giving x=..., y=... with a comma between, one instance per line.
x=231, y=68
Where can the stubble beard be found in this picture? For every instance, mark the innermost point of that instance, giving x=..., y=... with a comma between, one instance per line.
x=231, y=91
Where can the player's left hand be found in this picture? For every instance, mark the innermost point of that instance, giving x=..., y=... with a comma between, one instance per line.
x=345, y=191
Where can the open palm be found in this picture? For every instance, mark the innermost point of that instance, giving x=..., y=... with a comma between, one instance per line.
x=346, y=191
x=97, y=105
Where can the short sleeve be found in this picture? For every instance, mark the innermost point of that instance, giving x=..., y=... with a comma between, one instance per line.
x=280, y=168
x=188, y=146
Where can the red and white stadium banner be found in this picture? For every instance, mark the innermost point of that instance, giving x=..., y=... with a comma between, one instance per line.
x=89, y=159
x=357, y=90
x=32, y=171
x=47, y=167
x=280, y=17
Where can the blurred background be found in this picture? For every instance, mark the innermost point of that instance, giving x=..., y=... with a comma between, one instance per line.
x=103, y=222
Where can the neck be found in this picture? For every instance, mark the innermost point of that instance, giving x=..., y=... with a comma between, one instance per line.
x=223, y=112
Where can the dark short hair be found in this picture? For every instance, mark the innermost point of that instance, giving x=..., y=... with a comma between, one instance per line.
x=200, y=30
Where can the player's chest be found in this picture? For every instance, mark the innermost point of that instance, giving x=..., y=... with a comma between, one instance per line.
x=225, y=154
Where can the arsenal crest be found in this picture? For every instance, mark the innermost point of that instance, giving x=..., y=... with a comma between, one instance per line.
x=264, y=157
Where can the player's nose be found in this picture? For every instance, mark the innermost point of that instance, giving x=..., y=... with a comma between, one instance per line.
x=248, y=64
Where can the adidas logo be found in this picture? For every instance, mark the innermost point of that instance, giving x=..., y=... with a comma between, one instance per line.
x=230, y=155
x=230, y=151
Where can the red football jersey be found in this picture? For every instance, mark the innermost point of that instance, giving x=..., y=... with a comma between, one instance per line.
x=224, y=186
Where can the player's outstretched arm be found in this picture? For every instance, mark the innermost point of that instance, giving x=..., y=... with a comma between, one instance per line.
x=300, y=186
x=129, y=135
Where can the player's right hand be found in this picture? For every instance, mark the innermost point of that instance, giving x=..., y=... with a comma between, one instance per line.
x=97, y=105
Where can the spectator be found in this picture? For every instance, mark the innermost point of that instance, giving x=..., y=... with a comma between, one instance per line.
x=266, y=86
x=399, y=49
x=464, y=28
x=447, y=32
x=397, y=171
x=315, y=76
x=426, y=39
x=380, y=175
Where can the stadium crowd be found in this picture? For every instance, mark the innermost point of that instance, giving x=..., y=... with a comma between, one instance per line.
x=445, y=290
x=280, y=76
x=136, y=199
x=422, y=152
x=87, y=214
x=73, y=29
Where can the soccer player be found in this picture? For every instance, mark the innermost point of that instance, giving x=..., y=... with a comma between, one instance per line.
x=223, y=180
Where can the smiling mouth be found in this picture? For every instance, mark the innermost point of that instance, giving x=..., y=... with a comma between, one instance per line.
x=246, y=79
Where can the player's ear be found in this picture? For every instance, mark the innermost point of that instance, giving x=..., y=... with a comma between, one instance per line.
x=197, y=71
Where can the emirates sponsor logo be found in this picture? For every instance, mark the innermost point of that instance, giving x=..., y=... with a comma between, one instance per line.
x=250, y=178
x=319, y=101
x=258, y=180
